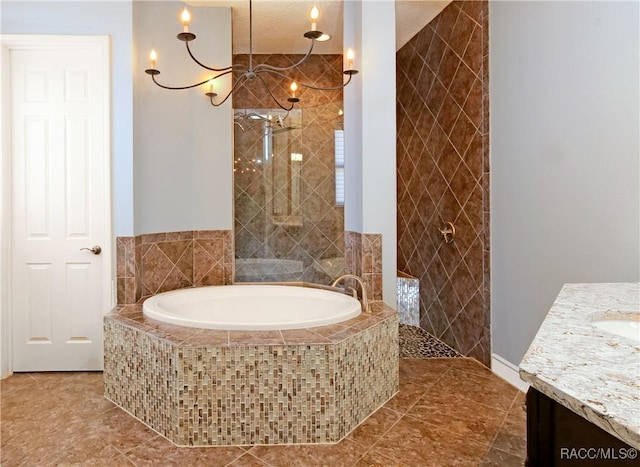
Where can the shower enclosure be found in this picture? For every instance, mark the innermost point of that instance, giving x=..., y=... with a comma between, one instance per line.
x=288, y=194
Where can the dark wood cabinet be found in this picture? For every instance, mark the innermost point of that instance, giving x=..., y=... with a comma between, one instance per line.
x=556, y=436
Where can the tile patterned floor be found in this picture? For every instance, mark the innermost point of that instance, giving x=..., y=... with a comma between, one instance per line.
x=449, y=411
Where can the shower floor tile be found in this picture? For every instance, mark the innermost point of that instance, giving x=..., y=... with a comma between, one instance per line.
x=415, y=342
x=63, y=419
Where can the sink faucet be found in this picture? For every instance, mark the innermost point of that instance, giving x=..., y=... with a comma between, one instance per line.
x=365, y=302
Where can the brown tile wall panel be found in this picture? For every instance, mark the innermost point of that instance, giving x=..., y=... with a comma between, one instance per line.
x=443, y=174
x=295, y=248
x=152, y=263
x=363, y=257
x=125, y=270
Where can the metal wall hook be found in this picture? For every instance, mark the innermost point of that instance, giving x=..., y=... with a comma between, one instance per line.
x=448, y=232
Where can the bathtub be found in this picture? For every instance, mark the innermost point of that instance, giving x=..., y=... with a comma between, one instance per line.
x=251, y=307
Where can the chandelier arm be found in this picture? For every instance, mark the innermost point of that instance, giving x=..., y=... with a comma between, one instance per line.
x=178, y=88
x=238, y=82
x=275, y=68
x=221, y=102
x=309, y=86
x=230, y=67
x=333, y=88
x=272, y=96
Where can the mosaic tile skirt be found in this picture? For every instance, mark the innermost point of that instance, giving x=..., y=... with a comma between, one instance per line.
x=315, y=389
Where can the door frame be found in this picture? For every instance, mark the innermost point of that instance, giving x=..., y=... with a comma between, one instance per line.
x=9, y=42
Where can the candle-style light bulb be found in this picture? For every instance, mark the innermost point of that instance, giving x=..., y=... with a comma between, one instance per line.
x=350, y=57
x=186, y=17
x=294, y=88
x=153, y=56
x=314, y=14
x=211, y=86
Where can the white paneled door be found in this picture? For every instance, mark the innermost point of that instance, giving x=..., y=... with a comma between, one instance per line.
x=60, y=243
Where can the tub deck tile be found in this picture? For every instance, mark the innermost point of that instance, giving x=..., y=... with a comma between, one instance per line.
x=333, y=333
x=208, y=337
x=303, y=336
x=255, y=337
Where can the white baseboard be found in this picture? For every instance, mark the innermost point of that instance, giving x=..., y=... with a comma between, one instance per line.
x=508, y=372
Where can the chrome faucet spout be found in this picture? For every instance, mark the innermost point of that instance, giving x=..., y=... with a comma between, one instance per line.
x=365, y=301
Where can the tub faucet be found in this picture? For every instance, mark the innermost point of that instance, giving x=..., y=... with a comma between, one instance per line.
x=365, y=302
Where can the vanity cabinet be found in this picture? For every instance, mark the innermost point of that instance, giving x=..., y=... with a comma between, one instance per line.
x=556, y=436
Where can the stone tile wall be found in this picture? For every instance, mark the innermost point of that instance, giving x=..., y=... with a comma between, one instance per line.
x=318, y=231
x=363, y=257
x=443, y=174
x=152, y=263
x=126, y=270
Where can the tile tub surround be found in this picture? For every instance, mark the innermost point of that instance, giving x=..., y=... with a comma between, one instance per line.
x=443, y=174
x=591, y=372
x=152, y=263
x=223, y=388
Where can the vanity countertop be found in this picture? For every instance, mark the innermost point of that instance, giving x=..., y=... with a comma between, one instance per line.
x=594, y=373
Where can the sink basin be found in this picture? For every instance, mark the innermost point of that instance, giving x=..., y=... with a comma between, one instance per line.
x=625, y=327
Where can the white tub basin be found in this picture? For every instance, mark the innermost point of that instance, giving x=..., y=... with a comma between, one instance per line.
x=624, y=327
x=251, y=307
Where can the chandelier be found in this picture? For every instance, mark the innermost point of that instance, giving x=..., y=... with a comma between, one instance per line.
x=244, y=74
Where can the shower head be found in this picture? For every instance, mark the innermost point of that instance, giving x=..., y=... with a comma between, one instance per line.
x=284, y=129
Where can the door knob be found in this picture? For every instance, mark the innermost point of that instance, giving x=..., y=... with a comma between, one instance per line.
x=96, y=250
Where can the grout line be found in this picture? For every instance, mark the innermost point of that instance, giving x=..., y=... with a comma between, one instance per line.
x=493, y=440
x=375, y=443
x=242, y=453
x=123, y=454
